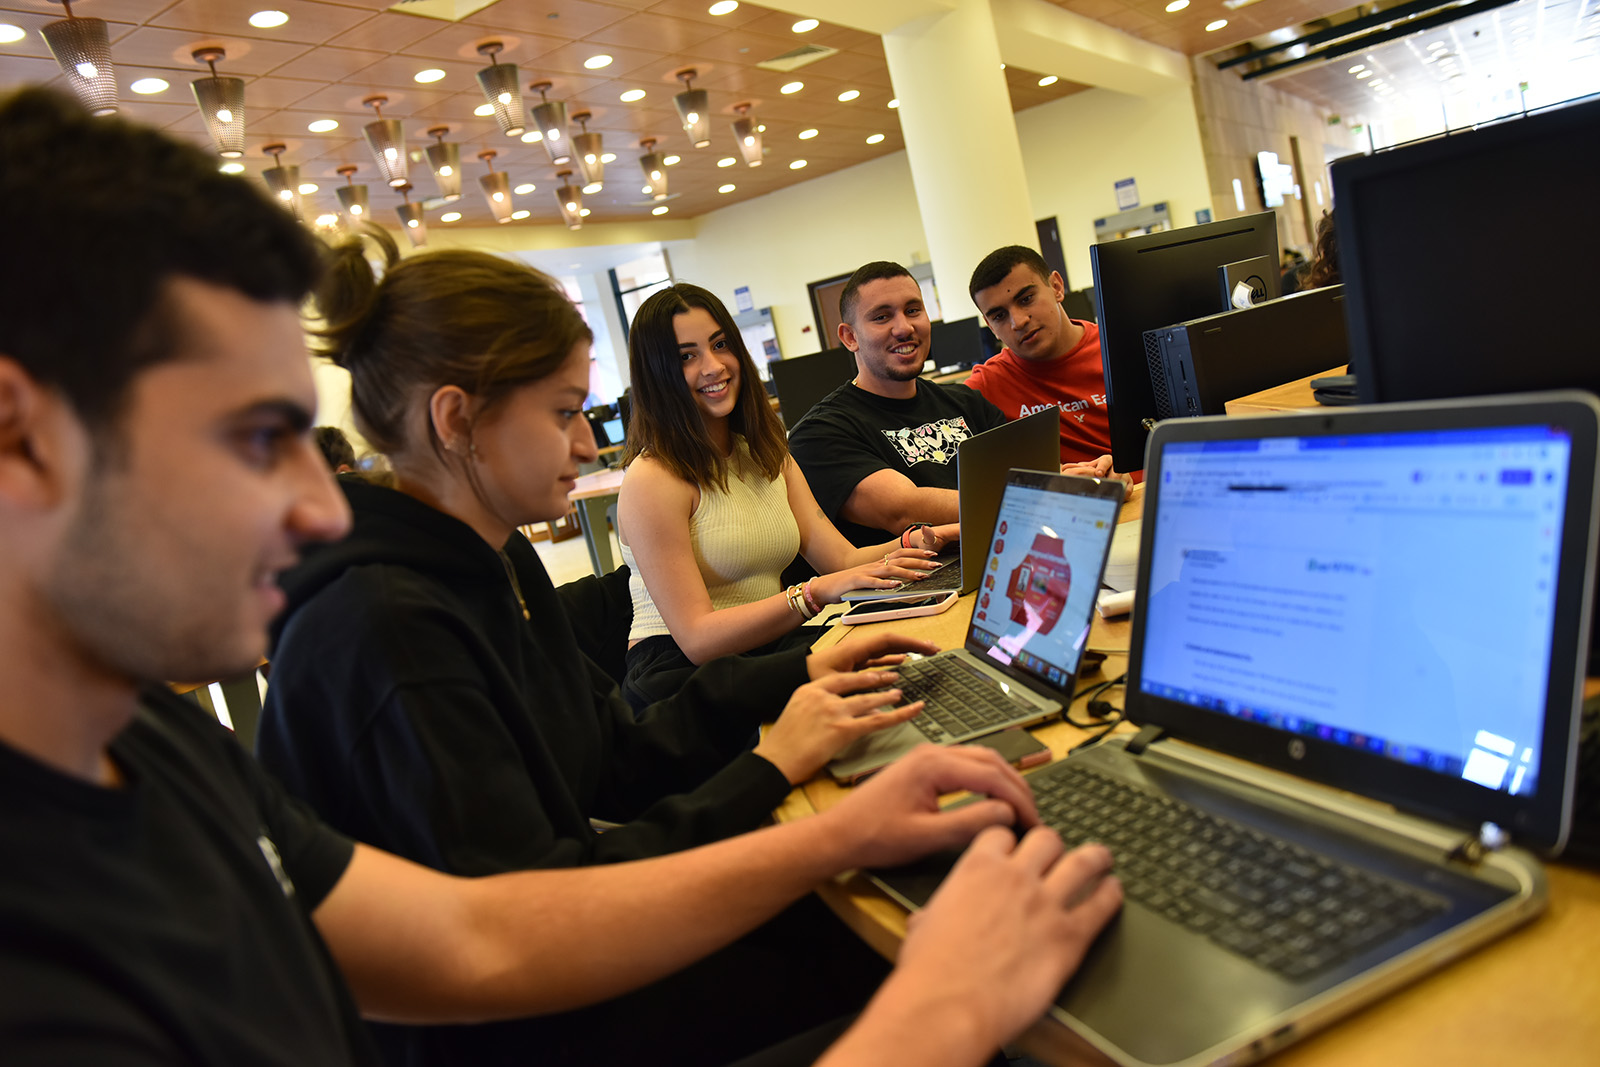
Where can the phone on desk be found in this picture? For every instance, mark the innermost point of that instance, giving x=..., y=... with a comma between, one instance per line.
x=1017, y=746
x=912, y=606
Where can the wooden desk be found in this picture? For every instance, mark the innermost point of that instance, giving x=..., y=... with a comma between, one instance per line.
x=1292, y=396
x=592, y=495
x=1530, y=997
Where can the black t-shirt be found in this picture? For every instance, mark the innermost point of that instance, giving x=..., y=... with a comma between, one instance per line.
x=852, y=433
x=168, y=921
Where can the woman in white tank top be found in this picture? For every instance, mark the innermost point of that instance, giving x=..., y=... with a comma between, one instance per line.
x=713, y=508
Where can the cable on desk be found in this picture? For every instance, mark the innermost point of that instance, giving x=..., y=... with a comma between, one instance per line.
x=1102, y=710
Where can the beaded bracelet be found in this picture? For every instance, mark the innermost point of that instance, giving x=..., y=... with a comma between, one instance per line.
x=904, y=543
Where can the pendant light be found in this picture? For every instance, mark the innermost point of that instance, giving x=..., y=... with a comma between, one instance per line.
x=654, y=172
x=569, y=198
x=411, y=219
x=499, y=84
x=694, y=110
x=283, y=181
x=445, y=159
x=587, y=146
x=83, y=49
x=221, y=103
x=551, y=118
x=352, y=197
x=387, y=141
x=748, y=134
x=496, y=187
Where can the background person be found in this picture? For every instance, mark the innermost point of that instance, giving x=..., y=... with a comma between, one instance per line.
x=713, y=507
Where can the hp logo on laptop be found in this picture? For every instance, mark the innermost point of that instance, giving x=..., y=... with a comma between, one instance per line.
x=1297, y=749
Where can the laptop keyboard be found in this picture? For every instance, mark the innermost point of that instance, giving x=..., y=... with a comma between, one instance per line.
x=1281, y=905
x=961, y=701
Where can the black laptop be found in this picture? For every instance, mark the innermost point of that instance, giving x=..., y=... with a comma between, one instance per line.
x=1356, y=665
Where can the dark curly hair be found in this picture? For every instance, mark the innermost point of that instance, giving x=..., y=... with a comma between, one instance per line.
x=1324, y=268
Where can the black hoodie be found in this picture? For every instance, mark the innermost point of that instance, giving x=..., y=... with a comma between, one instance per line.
x=416, y=709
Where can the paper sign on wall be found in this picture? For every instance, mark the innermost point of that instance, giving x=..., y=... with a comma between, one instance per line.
x=741, y=297
x=1127, y=194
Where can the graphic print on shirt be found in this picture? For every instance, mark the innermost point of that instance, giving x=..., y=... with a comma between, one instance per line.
x=932, y=442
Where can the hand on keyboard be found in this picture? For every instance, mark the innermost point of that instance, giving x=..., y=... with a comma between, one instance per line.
x=823, y=717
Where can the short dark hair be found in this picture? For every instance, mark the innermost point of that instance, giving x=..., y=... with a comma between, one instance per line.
x=336, y=447
x=100, y=214
x=867, y=272
x=664, y=420
x=1002, y=261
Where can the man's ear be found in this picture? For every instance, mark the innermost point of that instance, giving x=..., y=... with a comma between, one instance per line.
x=847, y=336
x=32, y=422
x=1058, y=285
x=450, y=409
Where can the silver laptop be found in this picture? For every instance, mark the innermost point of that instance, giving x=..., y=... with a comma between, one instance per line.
x=1032, y=443
x=1030, y=621
x=1356, y=662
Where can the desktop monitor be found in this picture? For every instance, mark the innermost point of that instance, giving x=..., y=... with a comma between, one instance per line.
x=1469, y=261
x=1155, y=280
x=804, y=380
x=960, y=343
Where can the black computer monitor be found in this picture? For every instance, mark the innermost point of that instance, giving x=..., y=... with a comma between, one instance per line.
x=1154, y=280
x=1470, y=261
x=960, y=343
x=804, y=380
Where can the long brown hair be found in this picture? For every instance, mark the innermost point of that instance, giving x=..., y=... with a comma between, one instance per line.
x=454, y=317
x=666, y=424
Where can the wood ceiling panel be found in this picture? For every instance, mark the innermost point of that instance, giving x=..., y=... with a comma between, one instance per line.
x=391, y=33
x=569, y=59
x=656, y=33
x=309, y=22
x=696, y=10
x=276, y=92
x=134, y=12
x=569, y=20
x=327, y=65
x=154, y=46
x=399, y=72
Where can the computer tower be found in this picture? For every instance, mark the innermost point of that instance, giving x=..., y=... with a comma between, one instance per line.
x=1196, y=367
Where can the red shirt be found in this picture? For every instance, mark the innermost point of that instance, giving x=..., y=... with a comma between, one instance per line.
x=1074, y=382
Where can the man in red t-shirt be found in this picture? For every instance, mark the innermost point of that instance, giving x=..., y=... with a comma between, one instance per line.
x=1049, y=359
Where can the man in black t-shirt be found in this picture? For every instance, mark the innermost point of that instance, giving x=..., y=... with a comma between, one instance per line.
x=880, y=451
x=162, y=900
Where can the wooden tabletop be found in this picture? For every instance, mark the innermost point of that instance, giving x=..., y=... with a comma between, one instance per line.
x=1530, y=997
x=1292, y=396
x=599, y=483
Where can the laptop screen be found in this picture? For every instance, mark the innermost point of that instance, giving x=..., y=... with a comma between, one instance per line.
x=1388, y=592
x=1045, y=561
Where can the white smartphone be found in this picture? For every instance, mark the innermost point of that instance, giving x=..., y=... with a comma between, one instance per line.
x=884, y=610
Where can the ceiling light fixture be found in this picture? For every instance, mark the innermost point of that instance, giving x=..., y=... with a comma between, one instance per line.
x=496, y=186
x=1176, y=6
x=726, y=161
x=694, y=110
x=1212, y=27
x=805, y=25
x=596, y=62
x=730, y=187
x=569, y=198
x=525, y=188
x=662, y=210
x=895, y=102
x=671, y=161
x=806, y=135
x=411, y=218
x=518, y=216
x=608, y=157
x=306, y=188
x=149, y=86
x=876, y=138
x=500, y=89
x=450, y=216
x=590, y=162
x=352, y=197
x=266, y=20
x=82, y=48
x=791, y=88
x=849, y=95
x=282, y=181
x=483, y=111
x=748, y=134
x=387, y=141
x=631, y=95
x=797, y=164
x=551, y=118
x=1047, y=81
x=592, y=188
x=10, y=34
x=723, y=7
x=654, y=172
x=221, y=104
x=532, y=136
x=445, y=159
x=323, y=126
x=427, y=77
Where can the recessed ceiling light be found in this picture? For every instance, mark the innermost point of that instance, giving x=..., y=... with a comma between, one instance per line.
x=232, y=168
x=583, y=211
x=791, y=88
x=849, y=95
x=895, y=102
x=662, y=210
x=726, y=161
x=592, y=188
x=265, y=20
x=671, y=161
x=730, y=187
x=1357, y=69
x=307, y=188
x=761, y=128
x=1212, y=27
x=432, y=74
x=875, y=138
x=483, y=110
x=1177, y=5
x=10, y=34
x=647, y=189
x=532, y=136
x=450, y=216
x=805, y=25
x=723, y=7
x=596, y=62
x=520, y=215
x=797, y=164
x=1364, y=74
x=806, y=135
x=631, y=95
x=1048, y=79
x=1437, y=44
x=144, y=86
x=608, y=157
x=323, y=126
x=327, y=220
x=524, y=189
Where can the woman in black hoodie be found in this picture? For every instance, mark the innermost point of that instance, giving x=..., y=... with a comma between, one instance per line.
x=429, y=696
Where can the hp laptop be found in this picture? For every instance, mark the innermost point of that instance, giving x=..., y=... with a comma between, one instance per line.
x=1030, y=621
x=1032, y=443
x=1356, y=663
